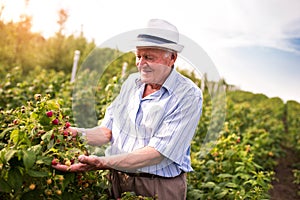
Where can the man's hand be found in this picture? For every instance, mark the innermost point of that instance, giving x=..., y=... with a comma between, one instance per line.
x=73, y=130
x=87, y=163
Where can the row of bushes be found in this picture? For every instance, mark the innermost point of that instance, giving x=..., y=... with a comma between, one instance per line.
x=239, y=164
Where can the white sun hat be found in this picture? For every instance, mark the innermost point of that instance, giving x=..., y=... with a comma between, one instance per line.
x=161, y=34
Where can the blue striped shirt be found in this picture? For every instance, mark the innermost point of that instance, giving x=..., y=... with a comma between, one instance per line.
x=165, y=120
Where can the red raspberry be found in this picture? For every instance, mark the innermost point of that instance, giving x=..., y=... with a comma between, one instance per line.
x=55, y=121
x=54, y=161
x=49, y=113
x=66, y=133
x=68, y=124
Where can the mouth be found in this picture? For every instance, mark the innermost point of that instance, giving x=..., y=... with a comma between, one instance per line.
x=145, y=71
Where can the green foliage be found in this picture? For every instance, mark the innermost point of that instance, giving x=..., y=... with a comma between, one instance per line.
x=58, y=51
x=240, y=164
x=97, y=84
x=240, y=96
x=16, y=90
x=293, y=121
x=30, y=142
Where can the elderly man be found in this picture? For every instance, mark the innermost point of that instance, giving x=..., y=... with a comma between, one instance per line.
x=150, y=124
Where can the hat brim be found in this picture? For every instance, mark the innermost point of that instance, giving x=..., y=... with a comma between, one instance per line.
x=171, y=46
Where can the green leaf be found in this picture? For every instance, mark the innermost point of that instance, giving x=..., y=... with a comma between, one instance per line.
x=211, y=162
x=231, y=185
x=29, y=158
x=229, y=153
x=39, y=174
x=15, y=178
x=44, y=120
x=257, y=166
x=4, y=187
x=240, y=169
x=14, y=136
x=2, y=156
x=5, y=131
x=243, y=176
x=8, y=155
x=53, y=105
x=70, y=196
x=36, y=148
x=44, y=160
x=239, y=163
x=47, y=135
x=31, y=195
x=225, y=176
x=195, y=194
x=251, y=182
x=68, y=179
x=34, y=116
x=222, y=194
x=209, y=185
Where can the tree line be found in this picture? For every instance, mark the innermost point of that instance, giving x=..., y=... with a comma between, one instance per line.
x=21, y=47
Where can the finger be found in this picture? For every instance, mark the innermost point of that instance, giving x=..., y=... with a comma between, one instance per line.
x=73, y=168
x=73, y=131
x=90, y=160
x=85, y=159
x=60, y=167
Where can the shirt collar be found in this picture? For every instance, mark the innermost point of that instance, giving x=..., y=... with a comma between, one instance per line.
x=170, y=81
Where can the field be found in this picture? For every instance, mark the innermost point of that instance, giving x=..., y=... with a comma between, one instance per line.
x=256, y=134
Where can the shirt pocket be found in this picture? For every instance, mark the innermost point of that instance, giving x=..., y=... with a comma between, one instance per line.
x=153, y=117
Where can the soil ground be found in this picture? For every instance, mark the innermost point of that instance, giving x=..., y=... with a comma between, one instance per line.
x=283, y=186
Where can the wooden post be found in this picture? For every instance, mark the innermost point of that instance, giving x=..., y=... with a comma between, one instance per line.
x=75, y=62
x=124, y=67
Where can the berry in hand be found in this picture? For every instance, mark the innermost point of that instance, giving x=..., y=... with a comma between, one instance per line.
x=68, y=124
x=55, y=161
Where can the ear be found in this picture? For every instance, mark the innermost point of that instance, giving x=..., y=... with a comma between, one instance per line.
x=173, y=59
x=174, y=56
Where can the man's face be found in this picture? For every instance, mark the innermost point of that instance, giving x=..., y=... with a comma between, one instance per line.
x=154, y=65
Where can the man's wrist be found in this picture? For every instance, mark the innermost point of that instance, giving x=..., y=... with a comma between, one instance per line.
x=81, y=132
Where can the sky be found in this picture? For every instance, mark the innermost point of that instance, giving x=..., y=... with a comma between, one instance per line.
x=254, y=44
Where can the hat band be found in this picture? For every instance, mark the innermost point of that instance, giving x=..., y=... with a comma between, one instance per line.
x=155, y=39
